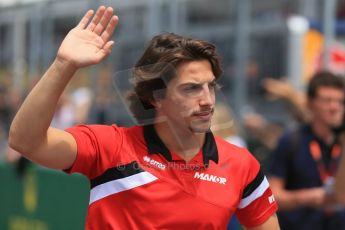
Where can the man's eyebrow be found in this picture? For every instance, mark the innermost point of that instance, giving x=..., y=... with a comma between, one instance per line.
x=191, y=84
x=197, y=83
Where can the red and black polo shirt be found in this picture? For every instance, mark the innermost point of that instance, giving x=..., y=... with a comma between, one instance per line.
x=137, y=183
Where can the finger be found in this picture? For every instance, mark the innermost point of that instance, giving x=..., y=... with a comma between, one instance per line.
x=85, y=20
x=108, y=46
x=106, y=50
x=104, y=21
x=96, y=18
x=108, y=32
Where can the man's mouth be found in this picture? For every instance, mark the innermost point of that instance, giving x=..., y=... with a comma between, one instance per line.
x=204, y=115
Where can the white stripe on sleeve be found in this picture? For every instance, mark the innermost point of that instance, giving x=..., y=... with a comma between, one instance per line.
x=119, y=185
x=255, y=194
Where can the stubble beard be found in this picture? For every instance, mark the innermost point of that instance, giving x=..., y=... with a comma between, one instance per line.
x=197, y=128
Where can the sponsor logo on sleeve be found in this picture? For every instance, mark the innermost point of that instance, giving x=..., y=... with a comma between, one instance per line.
x=271, y=199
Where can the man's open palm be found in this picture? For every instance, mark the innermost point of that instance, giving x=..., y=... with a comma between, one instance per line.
x=88, y=43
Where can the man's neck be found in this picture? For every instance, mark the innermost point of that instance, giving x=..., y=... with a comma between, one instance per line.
x=323, y=132
x=185, y=143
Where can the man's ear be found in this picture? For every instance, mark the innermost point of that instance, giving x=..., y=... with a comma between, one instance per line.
x=158, y=95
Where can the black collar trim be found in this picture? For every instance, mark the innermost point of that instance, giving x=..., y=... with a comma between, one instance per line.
x=156, y=146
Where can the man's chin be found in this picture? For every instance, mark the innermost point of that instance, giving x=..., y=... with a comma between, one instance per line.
x=335, y=124
x=200, y=128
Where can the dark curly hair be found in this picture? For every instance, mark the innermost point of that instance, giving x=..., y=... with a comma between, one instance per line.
x=157, y=67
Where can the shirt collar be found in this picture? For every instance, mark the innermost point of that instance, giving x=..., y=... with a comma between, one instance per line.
x=156, y=146
x=312, y=136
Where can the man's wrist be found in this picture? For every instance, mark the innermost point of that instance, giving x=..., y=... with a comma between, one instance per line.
x=63, y=67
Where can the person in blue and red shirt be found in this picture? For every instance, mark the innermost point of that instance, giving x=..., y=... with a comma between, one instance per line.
x=167, y=172
x=306, y=160
x=339, y=185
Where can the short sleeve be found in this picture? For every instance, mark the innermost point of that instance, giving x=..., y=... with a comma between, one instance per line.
x=257, y=202
x=97, y=147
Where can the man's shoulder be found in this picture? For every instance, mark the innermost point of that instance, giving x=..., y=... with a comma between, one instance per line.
x=231, y=152
x=104, y=131
x=225, y=143
x=295, y=134
x=104, y=127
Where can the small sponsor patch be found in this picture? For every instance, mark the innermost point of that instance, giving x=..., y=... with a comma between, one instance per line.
x=271, y=199
x=154, y=163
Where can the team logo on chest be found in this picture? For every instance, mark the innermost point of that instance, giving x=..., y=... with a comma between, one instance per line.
x=154, y=163
x=209, y=177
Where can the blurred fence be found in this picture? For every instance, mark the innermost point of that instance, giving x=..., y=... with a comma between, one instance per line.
x=250, y=35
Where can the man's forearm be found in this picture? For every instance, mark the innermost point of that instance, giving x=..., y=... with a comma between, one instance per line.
x=292, y=199
x=33, y=119
x=339, y=185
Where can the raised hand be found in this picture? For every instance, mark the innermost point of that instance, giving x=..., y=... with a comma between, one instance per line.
x=279, y=88
x=89, y=42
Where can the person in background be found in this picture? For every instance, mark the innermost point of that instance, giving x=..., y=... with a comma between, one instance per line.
x=339, y=183
x=262, y=130
x=296, y=99
x=305, y=161
x=168, y=172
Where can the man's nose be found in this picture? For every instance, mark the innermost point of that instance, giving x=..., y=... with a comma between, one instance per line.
x=207, y=97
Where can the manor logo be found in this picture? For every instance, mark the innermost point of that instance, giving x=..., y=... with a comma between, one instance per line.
x=154, y=163
x=211, y=178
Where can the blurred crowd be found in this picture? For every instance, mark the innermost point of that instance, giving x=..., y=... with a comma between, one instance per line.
x=81, y=103
x=10, y=100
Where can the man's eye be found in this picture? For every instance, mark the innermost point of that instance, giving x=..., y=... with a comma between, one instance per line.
x=192, y=88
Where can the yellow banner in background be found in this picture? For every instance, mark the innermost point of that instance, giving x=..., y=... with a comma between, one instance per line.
x=313, y=48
